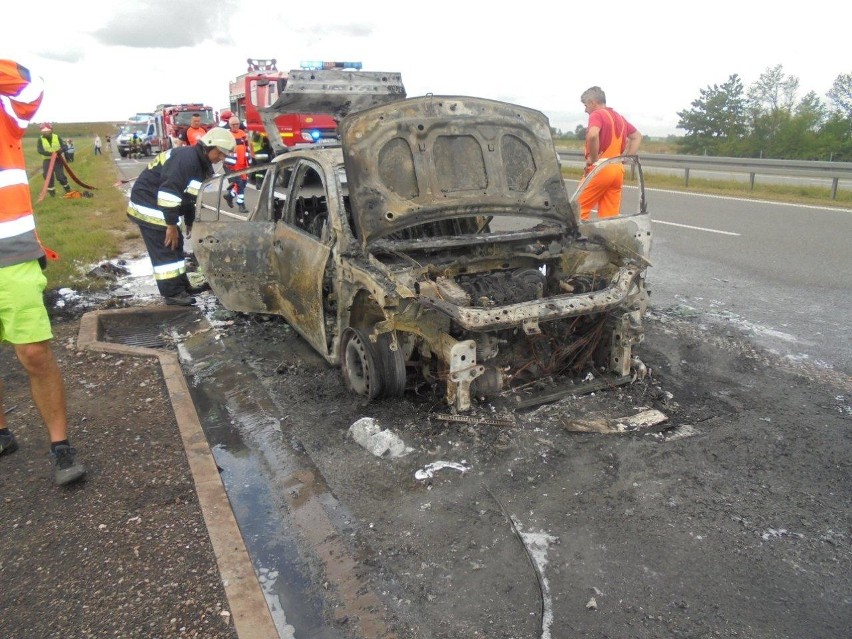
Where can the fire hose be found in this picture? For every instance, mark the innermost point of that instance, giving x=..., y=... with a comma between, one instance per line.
x=53, y=159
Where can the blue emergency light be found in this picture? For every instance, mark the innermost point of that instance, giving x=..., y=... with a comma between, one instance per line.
x=316, y=65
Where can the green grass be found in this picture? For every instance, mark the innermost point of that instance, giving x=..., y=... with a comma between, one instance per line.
x=794, y=194
x=82, y=231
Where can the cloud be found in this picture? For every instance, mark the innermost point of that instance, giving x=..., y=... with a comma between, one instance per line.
x=166, y=24
x=60, y=54
x=345, y=30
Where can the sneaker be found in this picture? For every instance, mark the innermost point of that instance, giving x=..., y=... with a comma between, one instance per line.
x=181, y=299
x=67, y=468
x=8, y=443
x=229, y=198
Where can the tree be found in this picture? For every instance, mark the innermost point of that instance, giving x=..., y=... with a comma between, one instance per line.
x=840, y=95
x=716, y=120
x=580, y=132
x=770, y=102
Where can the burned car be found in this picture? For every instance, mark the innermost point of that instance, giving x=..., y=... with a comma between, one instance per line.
x=436, y=243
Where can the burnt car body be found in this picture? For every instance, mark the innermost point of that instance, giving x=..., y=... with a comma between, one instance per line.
x=436, y=243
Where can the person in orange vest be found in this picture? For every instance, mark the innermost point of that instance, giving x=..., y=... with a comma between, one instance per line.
x=24, y=322
x=235, y=161
x=49, y=143
x=608, y=135
x=195, y=131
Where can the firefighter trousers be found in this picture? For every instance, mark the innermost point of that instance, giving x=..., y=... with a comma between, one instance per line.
x=169, y=264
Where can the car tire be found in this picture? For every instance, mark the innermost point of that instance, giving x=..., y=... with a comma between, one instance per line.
x=392, y=364
x=146, y=150
x=361, y=371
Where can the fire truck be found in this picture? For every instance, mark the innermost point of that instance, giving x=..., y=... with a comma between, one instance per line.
x=170, y=121
x=260, y=87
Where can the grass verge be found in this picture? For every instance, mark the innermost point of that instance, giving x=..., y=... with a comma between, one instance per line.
x=82, y=231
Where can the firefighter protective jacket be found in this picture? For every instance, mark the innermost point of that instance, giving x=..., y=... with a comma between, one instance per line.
x=174, y=176
x=20, y=98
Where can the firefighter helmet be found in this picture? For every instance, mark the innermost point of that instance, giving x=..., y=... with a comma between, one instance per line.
x=219, y=138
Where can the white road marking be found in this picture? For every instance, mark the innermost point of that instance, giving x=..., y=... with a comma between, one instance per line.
x=695, y=228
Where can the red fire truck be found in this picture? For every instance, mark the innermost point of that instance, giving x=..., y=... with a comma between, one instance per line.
x=172, y=120
x=260, y=87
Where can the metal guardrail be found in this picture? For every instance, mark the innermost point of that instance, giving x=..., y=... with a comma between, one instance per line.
x=834, y=171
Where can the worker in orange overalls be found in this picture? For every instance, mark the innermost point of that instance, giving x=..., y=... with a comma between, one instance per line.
x=609, y=135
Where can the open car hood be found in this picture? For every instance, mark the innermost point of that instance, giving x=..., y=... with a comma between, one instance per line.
x=437, y=157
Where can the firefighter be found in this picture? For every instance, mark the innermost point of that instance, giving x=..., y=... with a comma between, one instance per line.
x=238, y=159
x=48, y=144
x=135, y=146
x=171, y=180
x=261, y=153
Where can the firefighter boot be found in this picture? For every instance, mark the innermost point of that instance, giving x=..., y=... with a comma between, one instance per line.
x=229, y=198
x=52, y=192
x=243, y=208
x=67, y=188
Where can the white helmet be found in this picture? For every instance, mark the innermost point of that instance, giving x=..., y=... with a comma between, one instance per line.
x=220, y=138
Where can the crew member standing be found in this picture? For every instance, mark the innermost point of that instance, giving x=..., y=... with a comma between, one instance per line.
x=238, y=159
x=193, y=134
x=261, y=153
x=48, y=144
x=163, y=192
x=609, y=135
x=24, y=322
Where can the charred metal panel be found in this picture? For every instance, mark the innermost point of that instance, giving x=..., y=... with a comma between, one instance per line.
x=467, y=156
x=333, y=91
x=552, y=308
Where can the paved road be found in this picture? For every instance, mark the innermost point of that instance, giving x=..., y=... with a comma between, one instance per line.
x=782, y=271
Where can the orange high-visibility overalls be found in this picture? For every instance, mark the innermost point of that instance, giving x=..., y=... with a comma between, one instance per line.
x=604, y=189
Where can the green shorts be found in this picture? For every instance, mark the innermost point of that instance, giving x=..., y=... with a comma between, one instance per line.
x=23, y=317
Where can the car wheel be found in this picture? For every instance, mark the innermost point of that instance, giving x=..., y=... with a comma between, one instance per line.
x=123, y=154
x=360, y=370
x=393, y=366
x=147, y=150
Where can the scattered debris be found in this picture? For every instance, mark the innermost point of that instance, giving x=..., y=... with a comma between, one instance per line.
x=471, y=419
x=681, y=432
x=381, y=443
x=630, y=424
x=592, y=604
x=430, y=469
x=109, y=271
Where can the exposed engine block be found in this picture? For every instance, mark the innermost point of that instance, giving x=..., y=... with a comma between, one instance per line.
x=503, y=287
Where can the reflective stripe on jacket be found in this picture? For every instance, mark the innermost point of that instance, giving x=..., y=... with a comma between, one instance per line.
x=20, y=97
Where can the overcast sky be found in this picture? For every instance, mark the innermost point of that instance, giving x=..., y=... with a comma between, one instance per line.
x=106, y=61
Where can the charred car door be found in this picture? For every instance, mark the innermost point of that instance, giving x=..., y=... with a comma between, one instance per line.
x=274, y=261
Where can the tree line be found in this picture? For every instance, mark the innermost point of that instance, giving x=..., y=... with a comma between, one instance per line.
x=769, y=120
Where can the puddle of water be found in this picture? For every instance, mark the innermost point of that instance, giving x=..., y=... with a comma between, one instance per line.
x=245, y=437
